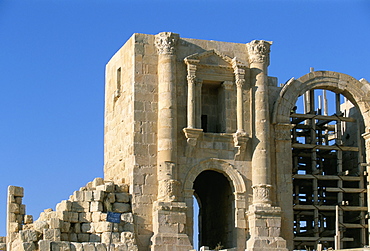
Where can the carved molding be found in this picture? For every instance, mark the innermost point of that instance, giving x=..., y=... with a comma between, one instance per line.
x=240, y=142
x=259, y=51
x=166, y=43
x=261, y=194
x=192, y=135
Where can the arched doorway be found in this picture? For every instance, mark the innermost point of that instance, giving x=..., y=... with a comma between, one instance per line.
x=216, y=215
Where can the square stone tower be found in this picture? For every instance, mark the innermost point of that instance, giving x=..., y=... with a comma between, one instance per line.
x=189, y=118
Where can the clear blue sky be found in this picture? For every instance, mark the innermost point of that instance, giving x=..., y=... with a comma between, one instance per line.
x=53, y=54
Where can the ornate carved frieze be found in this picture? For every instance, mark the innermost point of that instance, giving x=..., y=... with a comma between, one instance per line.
x=259, y=51
x=166, y=43
x=261, y=194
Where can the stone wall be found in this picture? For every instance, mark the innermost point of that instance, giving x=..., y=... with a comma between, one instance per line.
x=79, y=223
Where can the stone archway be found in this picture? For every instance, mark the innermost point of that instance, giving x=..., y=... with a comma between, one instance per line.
x=358, y=92
x=238, y=189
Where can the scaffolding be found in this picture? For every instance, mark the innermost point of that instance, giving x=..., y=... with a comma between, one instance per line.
x=328, y=173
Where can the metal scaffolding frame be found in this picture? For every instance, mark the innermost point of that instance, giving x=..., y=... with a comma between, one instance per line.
x=328, y=172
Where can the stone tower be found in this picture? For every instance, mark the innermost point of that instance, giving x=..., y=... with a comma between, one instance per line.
x=191, y=121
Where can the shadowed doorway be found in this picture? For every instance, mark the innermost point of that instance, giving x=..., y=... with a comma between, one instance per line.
x=216, y=218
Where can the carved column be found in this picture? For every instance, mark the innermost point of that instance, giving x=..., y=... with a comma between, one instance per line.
x=169, y=216
x=167, y=126
x=239, y=80
x=264, y=220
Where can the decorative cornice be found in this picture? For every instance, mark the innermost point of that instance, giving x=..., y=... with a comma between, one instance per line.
x=259, y=51
x=166, y=42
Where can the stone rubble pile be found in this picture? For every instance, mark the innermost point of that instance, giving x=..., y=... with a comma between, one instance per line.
x=79, y=223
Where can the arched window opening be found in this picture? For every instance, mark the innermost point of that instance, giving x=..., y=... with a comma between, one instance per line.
x=328, y=172
x=216, y=210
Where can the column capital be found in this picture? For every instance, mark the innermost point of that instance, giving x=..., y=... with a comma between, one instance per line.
x=166, y=42
x=259, y=51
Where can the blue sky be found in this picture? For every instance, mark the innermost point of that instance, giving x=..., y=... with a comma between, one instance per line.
x=53, y=54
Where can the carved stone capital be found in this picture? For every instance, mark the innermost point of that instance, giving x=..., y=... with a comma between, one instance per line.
x=259, y=51
x=191, y=79
x=166, y=42
x=240, y=82
x=261, y=194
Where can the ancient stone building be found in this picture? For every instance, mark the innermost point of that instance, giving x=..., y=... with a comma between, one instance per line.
x=192, y=121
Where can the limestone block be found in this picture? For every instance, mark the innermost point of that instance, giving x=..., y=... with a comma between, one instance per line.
x=97, y=182
x=64, y=237
x=12, y=217
x=122, y=188
x=28, y=235
x=13, y=208
x=26, y=246
x=127, y=217
x=110, y=198
x=40, y=225
x=22, y=209
x=45, y=245
x=122, y=197
x=100, y=247
x=75, y=246
x=87, y=227
x=65, y=226
x=83, y=237
x=107, y=236
x=19, y=218
x=77, y=228
x=176, y=218
x=95, y=216
x=78, y=196
x=89, y=247
x=103, y=216
x=13, y=227
x=51, y=234
x=89, y=196
x=28, y=219
x=80, y=206
x=96, y=206
x=95, y=238
x=99, y=195
x=16, y=191
x=103, y=226
x=107, y=187
x=55, y=223
x=60, y=246
x=72, y=237
x=121, y=207
x=84, y=217
x=64, y=205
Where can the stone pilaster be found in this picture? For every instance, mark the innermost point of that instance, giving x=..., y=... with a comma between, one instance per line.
x=366, y=137
x=264, y=219
x=169, y=216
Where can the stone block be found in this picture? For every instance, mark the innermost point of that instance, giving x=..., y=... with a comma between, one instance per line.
x=64, y=237
x=87, y=227
x=89, y=196
x=100, y=247
x=3, y=246
x=103, y=226
x=89, y=247
x=28, y=219
x=80, y=206
x=45, y=245
x=96, y=206
x=72, y=237
x=78, y=196
x=110, y=237
x=97, y=182
x=83, y=237
x=122, y=188
x=122, y=197
x=55, y=223
x=95, y=216
x=77, y=228
x=111, y=198
x=84, y=217
x=51, y=234
x=22, y=209
x=39, y=226
x=13, y=227
x=28, y=235
x=99, y=195
x=60, y=246
x=13, y=208
x=64, y=205
x=95, y=238
x=75, y=246
x=16, y=191
x=121, y=207
x=127, y=217
x=65, y=226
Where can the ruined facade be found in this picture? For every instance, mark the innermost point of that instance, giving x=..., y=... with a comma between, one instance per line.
x=193, y=120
